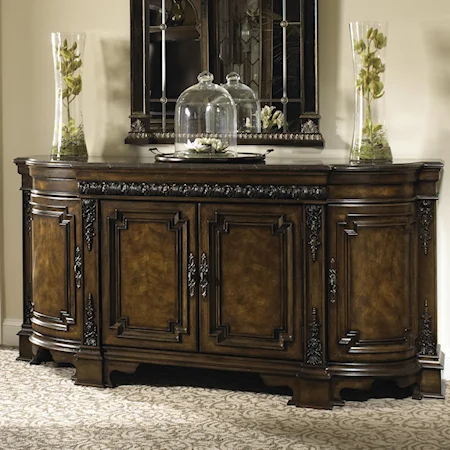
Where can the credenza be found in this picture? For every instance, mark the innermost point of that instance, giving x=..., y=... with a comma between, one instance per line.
x=317, y=275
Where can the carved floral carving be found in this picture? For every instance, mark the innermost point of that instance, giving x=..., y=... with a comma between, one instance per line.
x=425, y=216
x=90, y=337
x=314, y=354
x=314, y=224
x=427, y=341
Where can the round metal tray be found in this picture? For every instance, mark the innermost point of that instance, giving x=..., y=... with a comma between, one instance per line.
x=252, y=158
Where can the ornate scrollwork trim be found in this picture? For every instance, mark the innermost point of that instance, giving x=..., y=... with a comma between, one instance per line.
x=89, y=208
x=274, y=192
x=90, y=336
x=204, y=269
x=425, y=216
x=78, y=268
x=332, y=280
x=314, y=355
x=314, y=224
x=192, y=273
x=427, y=341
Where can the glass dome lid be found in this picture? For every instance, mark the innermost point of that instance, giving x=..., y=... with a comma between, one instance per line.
x=205, y=120
x=247, y=104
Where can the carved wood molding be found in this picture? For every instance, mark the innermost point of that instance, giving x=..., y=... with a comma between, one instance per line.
x=61, y=323
x=314, y=355
x=427, y=340
x=90, y=335
x=89, y=212
x=270, y=192
x=314, y=225
x=426, y=217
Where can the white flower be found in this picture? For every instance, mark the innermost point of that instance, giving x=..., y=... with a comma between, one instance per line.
x=204, y=145
x=270, y=117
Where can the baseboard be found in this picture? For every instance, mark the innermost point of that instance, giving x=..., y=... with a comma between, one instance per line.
x=446, y=374
x=10, y=328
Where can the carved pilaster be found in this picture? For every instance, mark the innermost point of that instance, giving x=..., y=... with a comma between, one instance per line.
x=425, y=212
x=427, y=340
x=332, y=281
x=27, y=211
x=78, y=268
x=90, y=336
x=314, y=225
x=89, y=208
x=314, y=354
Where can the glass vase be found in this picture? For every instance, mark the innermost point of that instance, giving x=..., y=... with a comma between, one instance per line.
x=68, y=135
x=370, y=140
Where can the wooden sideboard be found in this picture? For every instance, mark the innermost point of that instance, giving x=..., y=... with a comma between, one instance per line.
x=318, y=276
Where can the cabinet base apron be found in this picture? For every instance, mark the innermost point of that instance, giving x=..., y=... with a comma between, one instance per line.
x=312, y=387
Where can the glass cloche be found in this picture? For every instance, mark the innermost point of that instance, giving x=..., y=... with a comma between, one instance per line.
x=247, y=104
x=205, y=121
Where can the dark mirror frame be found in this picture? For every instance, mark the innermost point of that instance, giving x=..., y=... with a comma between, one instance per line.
x=144, y=126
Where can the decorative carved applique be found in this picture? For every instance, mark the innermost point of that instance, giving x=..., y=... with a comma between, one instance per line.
x=427, y=341
x=314, y=224
x=78, y=267
x=89, y=217
x=192, y=272
x=27, y=211
x=138, y=129
x=90, y=328
x=29, y=308
x=425, y=216
x=204, y=275
x=314, y=347
x=332, y=280
x=272, y=192
x=309, y=127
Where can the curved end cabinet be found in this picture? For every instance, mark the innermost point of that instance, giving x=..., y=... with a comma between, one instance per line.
x=317, y=276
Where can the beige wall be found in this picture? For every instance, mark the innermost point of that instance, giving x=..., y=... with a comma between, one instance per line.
x=417, y=101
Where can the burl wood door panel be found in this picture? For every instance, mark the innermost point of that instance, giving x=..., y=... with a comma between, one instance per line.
x=372, y=282
x=148, y=269
x=56, y=266
x=250, y=280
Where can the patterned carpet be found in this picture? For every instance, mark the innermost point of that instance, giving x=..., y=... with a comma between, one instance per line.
x=41, y=408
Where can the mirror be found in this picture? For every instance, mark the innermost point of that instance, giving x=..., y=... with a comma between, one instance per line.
x=271, y=44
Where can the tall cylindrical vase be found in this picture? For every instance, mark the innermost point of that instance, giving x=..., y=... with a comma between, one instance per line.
x=68, y=136
x=370, y=141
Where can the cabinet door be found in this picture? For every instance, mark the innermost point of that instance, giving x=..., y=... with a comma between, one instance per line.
x=148, y=274
x=251, y=280
x=56, y=267
x=372, y=282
